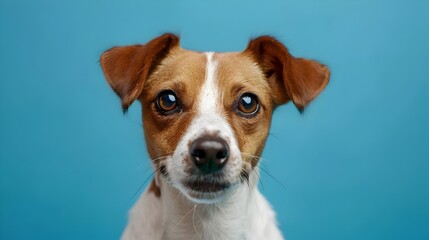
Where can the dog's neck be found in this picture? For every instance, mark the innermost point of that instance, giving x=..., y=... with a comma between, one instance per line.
x=227, y=219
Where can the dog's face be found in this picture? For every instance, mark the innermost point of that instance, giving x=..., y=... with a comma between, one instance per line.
x=209, y=115
x=206, y=116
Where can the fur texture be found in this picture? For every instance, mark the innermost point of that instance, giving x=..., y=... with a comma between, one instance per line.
x=206, y=90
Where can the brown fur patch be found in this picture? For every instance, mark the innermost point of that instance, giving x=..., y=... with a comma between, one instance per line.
x=126, y=68
x=237, y=74
x=296, y=79
x=154, y=188
x=183, y=72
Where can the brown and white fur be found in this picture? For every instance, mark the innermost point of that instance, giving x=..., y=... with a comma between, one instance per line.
x=225, y=204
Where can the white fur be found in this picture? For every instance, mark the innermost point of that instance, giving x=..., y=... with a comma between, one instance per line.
x=238, y=213
x=245, y=215
x=208, y=120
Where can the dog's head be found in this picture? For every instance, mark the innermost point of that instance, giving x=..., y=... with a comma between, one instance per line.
x=206, y=116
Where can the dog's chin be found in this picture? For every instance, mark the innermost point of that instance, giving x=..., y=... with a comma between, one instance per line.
x=202, y=192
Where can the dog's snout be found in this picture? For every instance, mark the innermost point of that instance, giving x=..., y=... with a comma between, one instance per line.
x=209, y=154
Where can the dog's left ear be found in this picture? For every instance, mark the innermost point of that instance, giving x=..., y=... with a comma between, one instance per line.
x=126, y=68
x=290, y=78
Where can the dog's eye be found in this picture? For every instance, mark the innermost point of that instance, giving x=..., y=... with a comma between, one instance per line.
x=248, y=105
x=167, y=102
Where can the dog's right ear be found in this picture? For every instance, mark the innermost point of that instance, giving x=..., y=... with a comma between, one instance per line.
x=126, y=68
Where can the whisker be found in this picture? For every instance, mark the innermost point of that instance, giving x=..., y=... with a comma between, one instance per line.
x=193, y=222
x=141, y=186
x=245, y=180
x=259, y=178
x=220, y=209
x=257, y=174
x=254, y=156
x=275, y=179
x=274, y=136
x=184, y=217
x=260, y=167
x=244, y=172
x=204, y=225
x=149, y=164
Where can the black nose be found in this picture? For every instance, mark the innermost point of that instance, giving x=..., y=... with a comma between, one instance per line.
x=209, y=153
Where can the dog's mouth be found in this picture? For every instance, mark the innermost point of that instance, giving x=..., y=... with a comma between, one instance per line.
x=206, y=191
x=207, y=186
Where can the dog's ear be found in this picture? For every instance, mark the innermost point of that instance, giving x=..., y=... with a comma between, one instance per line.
x=126, y=68
x=290, y=78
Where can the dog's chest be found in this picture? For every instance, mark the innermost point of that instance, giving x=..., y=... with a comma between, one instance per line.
x=247, y=218
x=209, y=223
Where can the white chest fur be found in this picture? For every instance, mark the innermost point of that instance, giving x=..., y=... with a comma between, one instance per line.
x=245, y=215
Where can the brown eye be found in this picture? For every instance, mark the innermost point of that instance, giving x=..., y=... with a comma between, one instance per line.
x=248, y=105
x=167, y=102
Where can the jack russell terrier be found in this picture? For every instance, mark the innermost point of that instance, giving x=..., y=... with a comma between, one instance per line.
x=206, y=118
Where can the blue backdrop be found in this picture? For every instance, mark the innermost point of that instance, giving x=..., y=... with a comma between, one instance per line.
x=354, y=166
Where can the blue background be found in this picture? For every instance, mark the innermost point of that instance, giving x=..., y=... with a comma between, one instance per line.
x=354, y=166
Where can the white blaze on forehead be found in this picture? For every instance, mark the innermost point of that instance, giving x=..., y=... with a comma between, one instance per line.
x=210, y=119
x=208, y=98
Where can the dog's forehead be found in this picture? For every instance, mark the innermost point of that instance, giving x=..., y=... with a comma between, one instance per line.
x=186, y=71
x=180, y=70
x=237, y=70
x=183, y=65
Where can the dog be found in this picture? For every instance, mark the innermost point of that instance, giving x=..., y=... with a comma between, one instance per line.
x=206, y=118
